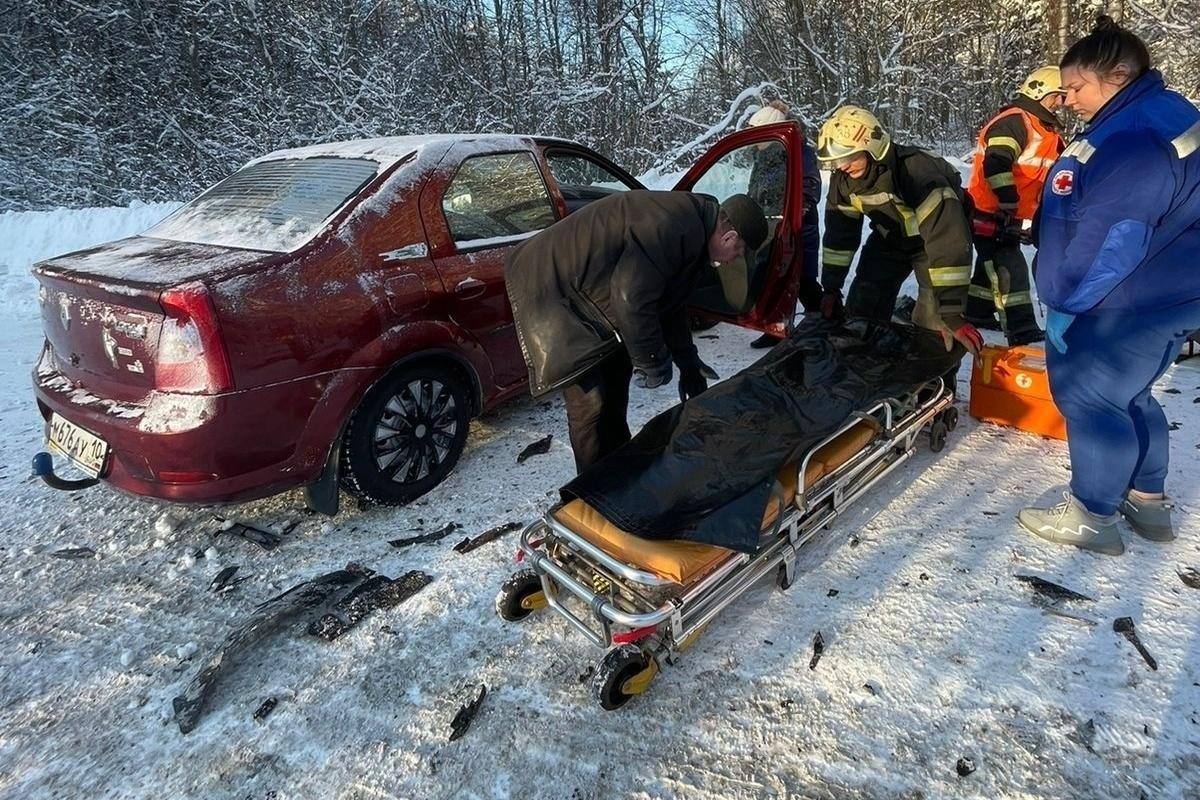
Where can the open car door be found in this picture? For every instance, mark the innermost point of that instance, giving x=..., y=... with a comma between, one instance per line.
x=764, y=162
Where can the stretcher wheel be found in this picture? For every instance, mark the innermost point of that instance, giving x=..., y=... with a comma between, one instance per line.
x=520, y=596
x=781, y=578
x=950, y=418
x=624, y=672
x=937, y=436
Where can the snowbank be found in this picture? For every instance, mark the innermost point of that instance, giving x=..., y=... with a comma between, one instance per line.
x=31, y=236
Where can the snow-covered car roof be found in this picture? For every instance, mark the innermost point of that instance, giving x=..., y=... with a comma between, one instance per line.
x=389, y=149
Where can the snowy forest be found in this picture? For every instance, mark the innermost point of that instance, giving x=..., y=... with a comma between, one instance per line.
x=109, y=101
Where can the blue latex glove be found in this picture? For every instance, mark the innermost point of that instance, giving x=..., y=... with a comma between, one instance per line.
x=1057, y=323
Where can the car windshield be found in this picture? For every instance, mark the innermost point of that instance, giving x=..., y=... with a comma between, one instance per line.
x=272, y=205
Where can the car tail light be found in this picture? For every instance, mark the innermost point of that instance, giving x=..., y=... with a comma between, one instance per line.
x=191, y=354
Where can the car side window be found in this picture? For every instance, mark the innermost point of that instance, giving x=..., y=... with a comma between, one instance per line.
x=582, y=180
x=759, y=170
x=496, y=198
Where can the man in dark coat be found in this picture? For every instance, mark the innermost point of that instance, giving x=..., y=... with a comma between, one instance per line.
x=600, y=297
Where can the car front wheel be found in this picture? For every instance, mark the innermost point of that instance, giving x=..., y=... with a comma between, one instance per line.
x=406, y=435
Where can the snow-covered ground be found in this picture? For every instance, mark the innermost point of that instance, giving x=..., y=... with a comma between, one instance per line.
x=934, y=651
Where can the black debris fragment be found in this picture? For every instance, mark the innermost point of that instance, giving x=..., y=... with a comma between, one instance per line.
x=264, y=710
x=540, y=447
x=466, y=713
x=1190, y=577
x=1051, y=590
x=267, y=618
x=964, y=767
x=708, y=336
x=424, y=538
x=991, y=513
x=768, y=643
x=871, y=689
x=267, y=540
x=854, y=541
x=587, y=674
x=1174, y=426
x=1170, y=390
x=74, y=553
x=1124, y=626
x=832, y=593
x=490, y=535
x=924, y=576
x=376, y=592
x=224, y=581
x=787, y=702
x=818, y=649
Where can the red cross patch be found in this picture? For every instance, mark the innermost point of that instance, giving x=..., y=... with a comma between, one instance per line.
x=1063, y=181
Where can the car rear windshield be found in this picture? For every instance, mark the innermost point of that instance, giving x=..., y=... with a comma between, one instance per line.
x=272, y=205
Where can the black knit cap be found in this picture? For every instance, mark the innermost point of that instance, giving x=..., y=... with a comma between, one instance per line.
x=747, y=219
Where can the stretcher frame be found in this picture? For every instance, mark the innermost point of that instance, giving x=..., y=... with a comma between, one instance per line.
x=597, y=592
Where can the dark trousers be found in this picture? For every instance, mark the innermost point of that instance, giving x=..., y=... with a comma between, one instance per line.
x=1000, y=284
x=596, y=406
x=881, y=271
x=1116, y=430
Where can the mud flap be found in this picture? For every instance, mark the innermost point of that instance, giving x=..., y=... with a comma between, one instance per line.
x=322, y=495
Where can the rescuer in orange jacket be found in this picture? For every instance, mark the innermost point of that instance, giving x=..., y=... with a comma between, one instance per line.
x=1015, y=151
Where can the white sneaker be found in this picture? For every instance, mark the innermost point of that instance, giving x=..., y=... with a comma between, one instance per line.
x=1070, y=522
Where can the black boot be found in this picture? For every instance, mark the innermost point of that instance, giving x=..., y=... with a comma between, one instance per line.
x=765, y=341
x=1031, y=336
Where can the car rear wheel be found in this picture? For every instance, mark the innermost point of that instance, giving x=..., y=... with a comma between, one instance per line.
x=406, y=435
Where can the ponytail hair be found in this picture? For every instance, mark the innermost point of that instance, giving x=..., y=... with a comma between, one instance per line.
x=1109, y=50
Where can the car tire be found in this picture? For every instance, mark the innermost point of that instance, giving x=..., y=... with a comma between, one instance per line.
x=406, y=435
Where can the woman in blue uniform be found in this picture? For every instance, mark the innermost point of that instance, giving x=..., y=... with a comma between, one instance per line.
x=1119, y=270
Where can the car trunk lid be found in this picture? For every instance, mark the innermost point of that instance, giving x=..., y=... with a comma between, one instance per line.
x=101, y=310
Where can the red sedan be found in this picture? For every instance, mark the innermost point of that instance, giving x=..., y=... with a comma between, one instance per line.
x=335, y=314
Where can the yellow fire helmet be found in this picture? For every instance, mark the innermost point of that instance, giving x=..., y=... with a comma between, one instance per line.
x=848, y=131
x=1041, y=82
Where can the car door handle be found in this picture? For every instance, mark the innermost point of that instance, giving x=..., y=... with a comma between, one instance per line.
x=470, y=287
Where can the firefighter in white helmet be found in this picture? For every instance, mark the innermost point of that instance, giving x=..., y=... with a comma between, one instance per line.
x=1013, y=157
x=914, y=202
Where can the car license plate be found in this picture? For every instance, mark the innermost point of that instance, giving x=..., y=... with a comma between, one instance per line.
x=86, y=451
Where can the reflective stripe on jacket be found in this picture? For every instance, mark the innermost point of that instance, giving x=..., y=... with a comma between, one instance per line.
x=1010, y=156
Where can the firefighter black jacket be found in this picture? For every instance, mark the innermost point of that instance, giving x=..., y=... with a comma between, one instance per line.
x=914, y=201
x=615, y=273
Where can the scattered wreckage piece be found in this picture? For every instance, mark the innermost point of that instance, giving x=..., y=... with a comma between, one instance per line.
x=268, y=617
x=1053, y=598
x=376, y=592
x=466, y=713
x=267, y=540
x=1190, y=577
x=1052, y=591
x=425, y=538
x=224, y=581
x=490, y=535
x=1124, y=626
x=74, y=553
x=263, y=711
x=540, y=447
x=818, y=650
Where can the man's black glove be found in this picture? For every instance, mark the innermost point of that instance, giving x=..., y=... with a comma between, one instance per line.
x=694, y=376
x=652, y=376
x=831, y=305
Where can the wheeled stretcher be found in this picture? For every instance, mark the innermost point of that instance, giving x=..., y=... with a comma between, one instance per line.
x=647, y=600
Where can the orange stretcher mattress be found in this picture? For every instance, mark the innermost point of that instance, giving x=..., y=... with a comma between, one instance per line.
x=681, y=561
